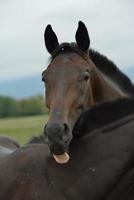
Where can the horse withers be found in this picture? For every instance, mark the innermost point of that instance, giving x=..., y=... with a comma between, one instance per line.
x=76, y=79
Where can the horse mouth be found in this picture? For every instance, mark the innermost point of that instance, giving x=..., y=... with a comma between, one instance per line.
x=61, y=159
x=59, y=152
x=58, y=144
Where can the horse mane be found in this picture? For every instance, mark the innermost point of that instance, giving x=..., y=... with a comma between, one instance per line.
x=103, y=114
x=103, y=64
x=36, y=139
x=98, y=116
x=109, y=69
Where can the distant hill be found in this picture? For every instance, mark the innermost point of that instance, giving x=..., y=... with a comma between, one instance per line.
x=22, y=88
x=31, y=86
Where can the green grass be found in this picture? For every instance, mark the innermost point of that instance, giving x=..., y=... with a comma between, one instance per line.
x=22, y=128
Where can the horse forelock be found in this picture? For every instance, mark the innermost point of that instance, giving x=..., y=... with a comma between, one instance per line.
x=65, y=48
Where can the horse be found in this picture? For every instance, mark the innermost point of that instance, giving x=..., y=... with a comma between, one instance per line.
x=101, y=165
x=76, y=79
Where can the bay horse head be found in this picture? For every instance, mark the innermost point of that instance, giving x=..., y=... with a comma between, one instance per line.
x=71, y=81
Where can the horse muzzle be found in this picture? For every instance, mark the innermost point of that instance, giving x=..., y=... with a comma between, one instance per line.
x=58, y=136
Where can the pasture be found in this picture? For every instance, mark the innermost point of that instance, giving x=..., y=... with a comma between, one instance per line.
x=22, y=128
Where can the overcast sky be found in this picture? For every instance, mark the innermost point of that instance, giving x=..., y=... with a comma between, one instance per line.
x=22, y=22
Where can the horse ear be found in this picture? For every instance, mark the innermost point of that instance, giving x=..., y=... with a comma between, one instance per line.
x=82, y=37
x=50, y=38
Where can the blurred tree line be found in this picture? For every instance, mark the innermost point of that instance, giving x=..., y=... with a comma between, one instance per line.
x=10, y=107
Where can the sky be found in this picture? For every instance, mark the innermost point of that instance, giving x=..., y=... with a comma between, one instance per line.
x=22, y=51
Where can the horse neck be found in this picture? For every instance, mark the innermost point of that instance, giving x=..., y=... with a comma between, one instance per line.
x=104, y=89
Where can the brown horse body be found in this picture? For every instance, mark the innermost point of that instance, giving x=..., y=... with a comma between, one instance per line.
x=101, y=167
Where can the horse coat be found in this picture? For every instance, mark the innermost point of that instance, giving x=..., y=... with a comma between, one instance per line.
x=101, y=167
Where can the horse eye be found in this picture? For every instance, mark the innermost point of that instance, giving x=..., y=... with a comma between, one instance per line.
x=86, y=76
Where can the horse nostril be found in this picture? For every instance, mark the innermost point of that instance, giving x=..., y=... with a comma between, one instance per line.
x=66, y=133
x=66, y=127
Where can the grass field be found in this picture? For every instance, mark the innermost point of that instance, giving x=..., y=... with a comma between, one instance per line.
x=22, y=128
